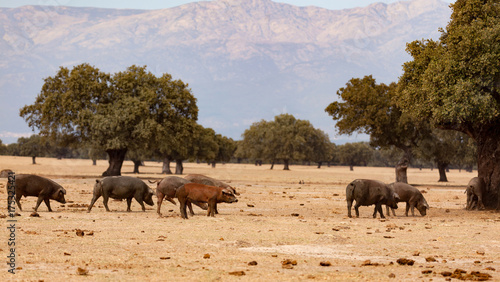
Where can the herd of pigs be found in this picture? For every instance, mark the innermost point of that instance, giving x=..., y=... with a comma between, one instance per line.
x=207, y=192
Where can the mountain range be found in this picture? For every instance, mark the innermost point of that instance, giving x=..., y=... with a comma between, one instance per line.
x=244, y=60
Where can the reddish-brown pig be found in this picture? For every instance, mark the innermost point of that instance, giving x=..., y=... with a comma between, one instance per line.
x=201, y=193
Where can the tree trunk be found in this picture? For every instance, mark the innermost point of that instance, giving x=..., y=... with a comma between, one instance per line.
x=116, y=158
x=488, y=165
x=442, y=172
x=94, y=162
x=351, y=168
x=136, y=165
x=166, y=166
x=272, y=165
x=286, y=167
x=213, y=164
x=319, y=164
x=401, y=170
x=178, y=167
x=33, y=159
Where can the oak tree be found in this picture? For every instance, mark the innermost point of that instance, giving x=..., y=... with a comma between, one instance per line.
x=454, y=83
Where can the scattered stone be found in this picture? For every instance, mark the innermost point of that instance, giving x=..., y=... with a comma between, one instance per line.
x=446, y=273
x=490, y=268
x=252, y=263
x=447, y=210
x=250, y=206
x=416, y=253
x=388, y=237
x=34, y=214
x=82, y=271
x=288, y=263
x=430, y=259
x=426, y=271
x=369, y=263
x=206, y=256
x=295, y=214
x=481, y=252
x=404, y=261
x=392, y=275
x=237, y=273
x=164, y=258
x=325, y=263
x=80, y=233
x=67, y=254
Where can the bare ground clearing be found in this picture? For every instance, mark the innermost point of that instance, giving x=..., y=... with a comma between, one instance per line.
x=275, y=219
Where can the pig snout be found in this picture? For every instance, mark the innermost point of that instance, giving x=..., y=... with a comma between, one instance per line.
x=149, y=199
x=59, y=196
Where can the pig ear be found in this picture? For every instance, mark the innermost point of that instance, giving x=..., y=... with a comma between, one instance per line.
x=97, y=180
x=396, y=196
x=227, y=192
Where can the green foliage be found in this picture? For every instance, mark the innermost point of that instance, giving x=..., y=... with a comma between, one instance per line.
x=33, y=146
x=285, y=138
x=370, y=108
x=132, y=110
x=227, y=147
x=3, y=148
x=355, y=154
x=454, y=82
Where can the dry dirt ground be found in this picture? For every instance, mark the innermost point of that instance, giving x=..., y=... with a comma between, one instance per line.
x=276, y=219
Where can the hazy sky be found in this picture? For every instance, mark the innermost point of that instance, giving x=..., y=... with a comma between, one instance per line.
x=160, y=4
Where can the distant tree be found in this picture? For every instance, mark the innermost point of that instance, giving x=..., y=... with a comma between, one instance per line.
x=355, y=154
x=442, y=148
x=33, y=146
x=3, y=148
x=227, y=147
x=86, y=107
x=386, y=157
x=318, y=147
x=370, y=108
x=454, y=84
x=285, y=138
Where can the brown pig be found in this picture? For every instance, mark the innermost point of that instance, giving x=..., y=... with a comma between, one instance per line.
x=201, y=193
x=41, y=187
x=166, y=189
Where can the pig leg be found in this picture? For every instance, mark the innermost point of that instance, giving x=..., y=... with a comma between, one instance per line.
x=18, y=201
x=141, y=202
x=94, y=198
x=160, y=197
x=480, y=205
x=356, y=208
x=105, y=200
x=38, y=202
x=349, y=205
x=211, y=208
x=47, y=203
x=182, y=204
x=408, y=206
x=190, y=206
x=378, y=208
x=129, y=203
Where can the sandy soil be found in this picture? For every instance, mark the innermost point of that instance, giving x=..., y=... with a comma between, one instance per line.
x=276, y=219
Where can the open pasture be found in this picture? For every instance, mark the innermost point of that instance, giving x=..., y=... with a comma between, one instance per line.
x=276, y=219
